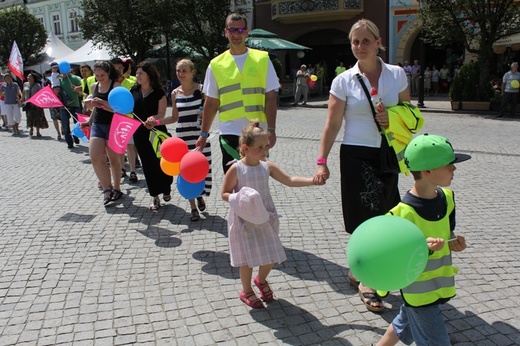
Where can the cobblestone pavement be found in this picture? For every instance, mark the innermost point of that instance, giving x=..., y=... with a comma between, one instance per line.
x=73, y=272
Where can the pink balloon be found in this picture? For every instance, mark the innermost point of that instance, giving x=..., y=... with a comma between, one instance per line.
x=194, y=167
x=173, y=149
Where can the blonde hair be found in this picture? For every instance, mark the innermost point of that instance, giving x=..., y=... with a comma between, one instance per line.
x=249, y=134
x=370, y=26
x=186, y=62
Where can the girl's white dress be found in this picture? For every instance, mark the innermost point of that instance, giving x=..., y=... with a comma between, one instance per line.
x=250, y=244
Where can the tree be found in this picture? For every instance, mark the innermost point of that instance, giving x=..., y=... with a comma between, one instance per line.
x=17, y=24
x=126, y=27
x=476, y=24
x=202, y=25
x=133, y=27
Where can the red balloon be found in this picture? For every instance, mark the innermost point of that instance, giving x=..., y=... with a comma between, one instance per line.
x=194, y=167
x=173, y=149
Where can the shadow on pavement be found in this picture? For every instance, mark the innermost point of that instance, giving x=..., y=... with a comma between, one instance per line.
x=217, y=263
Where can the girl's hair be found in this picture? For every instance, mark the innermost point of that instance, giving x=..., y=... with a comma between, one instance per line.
x=36, y=78
x=186, y=62
x=369, y=25
x=249, y=134
x=108, y=68
x=153, y=74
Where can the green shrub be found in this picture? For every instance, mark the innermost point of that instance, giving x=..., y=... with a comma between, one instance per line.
x=465, y=85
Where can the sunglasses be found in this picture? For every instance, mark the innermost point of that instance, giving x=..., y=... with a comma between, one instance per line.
x=236, y=30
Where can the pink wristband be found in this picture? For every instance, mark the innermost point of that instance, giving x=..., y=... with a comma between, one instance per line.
x=321, y=161
x=157, y=122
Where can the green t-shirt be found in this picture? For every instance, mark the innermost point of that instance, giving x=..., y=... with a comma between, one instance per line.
x=73, y=96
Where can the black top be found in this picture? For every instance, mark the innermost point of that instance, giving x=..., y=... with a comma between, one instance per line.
x=99, y=115
x=147, y=106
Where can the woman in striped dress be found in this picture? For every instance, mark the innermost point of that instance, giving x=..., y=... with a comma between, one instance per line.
x=187, y=102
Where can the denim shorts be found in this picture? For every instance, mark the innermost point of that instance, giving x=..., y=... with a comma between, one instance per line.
x=100, y=131
x=424, y=325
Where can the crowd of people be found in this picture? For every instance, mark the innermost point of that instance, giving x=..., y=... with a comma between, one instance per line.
x=240, y=87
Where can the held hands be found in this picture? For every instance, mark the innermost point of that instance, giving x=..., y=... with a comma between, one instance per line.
x=321, y=175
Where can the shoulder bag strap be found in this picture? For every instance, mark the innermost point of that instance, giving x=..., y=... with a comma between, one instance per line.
x=360, y=79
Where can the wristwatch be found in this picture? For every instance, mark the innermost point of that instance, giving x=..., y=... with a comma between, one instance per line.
x=204, y=134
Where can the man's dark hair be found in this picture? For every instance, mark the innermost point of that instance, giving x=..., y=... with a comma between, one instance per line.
x=236, y=17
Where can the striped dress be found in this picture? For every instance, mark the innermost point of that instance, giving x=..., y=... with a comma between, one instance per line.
x=250, y=244
x=187, y=129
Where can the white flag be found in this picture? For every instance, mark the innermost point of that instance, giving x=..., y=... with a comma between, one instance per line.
x=15, y=63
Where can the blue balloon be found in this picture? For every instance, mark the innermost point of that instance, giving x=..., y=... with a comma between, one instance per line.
x=64, y=67
x=190, y=190
x=121, y=100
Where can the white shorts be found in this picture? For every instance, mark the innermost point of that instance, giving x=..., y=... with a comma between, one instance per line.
x=2, y=108
x=13, y=114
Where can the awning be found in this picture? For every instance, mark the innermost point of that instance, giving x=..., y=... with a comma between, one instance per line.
x=512, y=41
x=266, y=40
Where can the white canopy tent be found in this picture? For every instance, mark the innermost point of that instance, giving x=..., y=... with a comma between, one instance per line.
x=513, y=42
x=54, y=50
x=88, y=53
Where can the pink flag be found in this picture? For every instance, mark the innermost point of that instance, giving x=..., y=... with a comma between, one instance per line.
x=82, y=118
x=15, y=63
x=45, y=98
x=121, y=130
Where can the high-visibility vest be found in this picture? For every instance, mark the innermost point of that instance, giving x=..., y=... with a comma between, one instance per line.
x=437, y=281
x=127, y=83
x=404, y=120
x=241, y=94
x=90, y=80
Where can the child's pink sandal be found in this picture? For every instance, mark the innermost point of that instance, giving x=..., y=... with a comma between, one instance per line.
x=267, y=296
x=248, y=299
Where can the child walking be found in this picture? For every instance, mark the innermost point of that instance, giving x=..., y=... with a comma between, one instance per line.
x=254, y=241
x=431, y=160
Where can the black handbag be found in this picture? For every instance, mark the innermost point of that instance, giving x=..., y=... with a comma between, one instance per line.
x=389, y=163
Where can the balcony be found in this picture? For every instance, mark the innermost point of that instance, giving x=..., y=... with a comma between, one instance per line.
x=308, y=11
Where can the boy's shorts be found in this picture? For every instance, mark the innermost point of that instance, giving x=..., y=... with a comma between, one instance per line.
x=424, y=325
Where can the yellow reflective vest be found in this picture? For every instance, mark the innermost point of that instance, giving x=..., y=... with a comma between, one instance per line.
x=404, y=120
x=90, y=80
x=438, y=278
x=241, y=94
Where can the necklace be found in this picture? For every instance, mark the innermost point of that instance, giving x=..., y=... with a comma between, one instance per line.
x=147, y=92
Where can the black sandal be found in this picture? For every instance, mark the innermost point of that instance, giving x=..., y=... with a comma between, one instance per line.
x=201, y=204
x=195, y=215
x=167, y=198
x=116, y=194
x=123, y=173
x=133, y=177
x=107, y=199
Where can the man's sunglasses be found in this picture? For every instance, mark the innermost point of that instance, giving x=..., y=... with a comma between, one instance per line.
x=236, y=30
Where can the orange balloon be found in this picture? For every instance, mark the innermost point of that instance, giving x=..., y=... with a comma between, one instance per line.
x=171, y=168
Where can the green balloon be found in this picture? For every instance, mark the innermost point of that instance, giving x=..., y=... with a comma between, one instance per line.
x=387, y=252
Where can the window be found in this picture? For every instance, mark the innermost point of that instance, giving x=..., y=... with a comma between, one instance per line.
x=56, y=24
x=73, y=23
